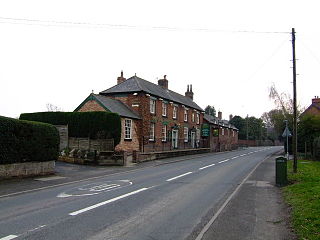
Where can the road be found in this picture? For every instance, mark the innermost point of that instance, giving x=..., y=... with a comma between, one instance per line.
x=170, y=201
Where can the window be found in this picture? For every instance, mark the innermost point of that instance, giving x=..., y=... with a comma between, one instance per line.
x=186, y=115
x=164, y=109
x=175, y=110
x=232, y=133
x=164, y=133
x=192, y=117
x=198, y=118
x=127, y=129
x=185, y=134
x=151, y=135
x=222, y=131
x=198, y=134
x=152, y=106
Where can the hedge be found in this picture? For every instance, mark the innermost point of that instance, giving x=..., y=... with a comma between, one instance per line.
x=316, y=148
x=25, y=141
x=82, y=124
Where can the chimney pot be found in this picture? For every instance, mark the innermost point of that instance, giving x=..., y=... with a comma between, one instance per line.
x=121, y=78
x=163, y=82
x=220, y=115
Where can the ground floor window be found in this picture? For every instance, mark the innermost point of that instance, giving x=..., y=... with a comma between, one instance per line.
x=151, y=135
x=164, y=133
x=185, y=134
x=127, y=129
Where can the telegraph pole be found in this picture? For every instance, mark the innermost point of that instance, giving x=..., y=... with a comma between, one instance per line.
x=294, y=142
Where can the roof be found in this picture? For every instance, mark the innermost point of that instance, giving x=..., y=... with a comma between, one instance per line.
x=217, y=121
x=111, y=105
x=136, y=84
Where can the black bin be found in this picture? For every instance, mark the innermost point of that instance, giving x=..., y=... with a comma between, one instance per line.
x=281, y=171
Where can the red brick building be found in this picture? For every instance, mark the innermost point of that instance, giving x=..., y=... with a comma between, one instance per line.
x=154, y=118
x=223, y=136
x=314, y=108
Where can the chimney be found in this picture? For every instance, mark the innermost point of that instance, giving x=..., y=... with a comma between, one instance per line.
x=316, y=100
x=220, y=115
x=230, y=117
x=163, y=82
x=189, y=93
x=121, y=78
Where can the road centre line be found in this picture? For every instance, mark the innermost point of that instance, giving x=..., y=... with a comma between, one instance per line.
x=106, y=202
x=207, y=166
x=170, y=179
x=9, y=237
x=235, y=157
x=226, y=160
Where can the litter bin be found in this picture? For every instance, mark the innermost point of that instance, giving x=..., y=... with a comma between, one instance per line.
x=281, y=171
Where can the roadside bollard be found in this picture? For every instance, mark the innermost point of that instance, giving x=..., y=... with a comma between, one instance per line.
x=281, y=171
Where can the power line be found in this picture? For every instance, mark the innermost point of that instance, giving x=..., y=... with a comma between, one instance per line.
x=54, y=23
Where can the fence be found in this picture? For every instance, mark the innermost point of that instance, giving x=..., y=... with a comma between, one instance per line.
x=158, y=145
x=90, y=144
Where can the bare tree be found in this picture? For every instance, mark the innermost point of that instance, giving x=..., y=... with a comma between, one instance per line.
x=53, y=108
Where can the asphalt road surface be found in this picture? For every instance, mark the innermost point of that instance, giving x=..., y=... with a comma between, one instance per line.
x=170, y=201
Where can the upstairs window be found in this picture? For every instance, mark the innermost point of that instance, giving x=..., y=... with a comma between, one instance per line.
x=164, y=109
x=222, y=131
x=232, y=133
x=127, y=129
x=193, y=117
x=185, y=115
x=152, y=106
x=198, y=118
x=175, y=111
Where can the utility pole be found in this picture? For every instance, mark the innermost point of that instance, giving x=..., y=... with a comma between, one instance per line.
x=295, y=139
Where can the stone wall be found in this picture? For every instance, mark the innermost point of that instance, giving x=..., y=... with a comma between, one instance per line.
x=86, y=144
x=26, y=169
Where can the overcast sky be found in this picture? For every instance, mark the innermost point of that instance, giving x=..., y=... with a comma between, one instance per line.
x=230, y=51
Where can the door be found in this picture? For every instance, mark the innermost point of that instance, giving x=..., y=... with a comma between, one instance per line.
x=193, y=139
x=175, y=138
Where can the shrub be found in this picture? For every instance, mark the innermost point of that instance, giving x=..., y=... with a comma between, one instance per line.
x=82, y=124
x=316, y=148
x=25, y=141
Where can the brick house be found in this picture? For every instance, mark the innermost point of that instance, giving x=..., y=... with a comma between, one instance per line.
x=154, y=118
x=314, y=108
x=221, y=134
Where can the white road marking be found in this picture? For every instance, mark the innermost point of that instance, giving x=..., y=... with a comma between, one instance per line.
x=44, y=179
x=106, y=202
x=215, y=216
x=207, y=166
x=235, y=157
x=41, y=226
x=224, y=161
x=242, y=155
x=170, y=179
x=9, y=237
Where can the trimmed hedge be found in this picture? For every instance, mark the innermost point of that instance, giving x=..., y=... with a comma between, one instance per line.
x=316, y=148
x=25, y=141
x=82, y=124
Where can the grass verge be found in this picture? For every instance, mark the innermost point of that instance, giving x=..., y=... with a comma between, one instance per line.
x=303, y=195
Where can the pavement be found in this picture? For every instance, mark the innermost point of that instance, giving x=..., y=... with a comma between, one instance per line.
x=254, y=209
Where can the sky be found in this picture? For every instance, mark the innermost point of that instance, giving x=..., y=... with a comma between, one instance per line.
x=231, y=51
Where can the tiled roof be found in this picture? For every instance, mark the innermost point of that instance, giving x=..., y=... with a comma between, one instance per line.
x=111, y=105
x=217, y=121
x=136, y=84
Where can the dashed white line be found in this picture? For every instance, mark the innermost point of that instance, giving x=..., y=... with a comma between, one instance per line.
x=207, y=166
x=106, y=202
x=226, y=160
x=9, y=237
x=242, y=155
x=170, y=179
x=235, y=157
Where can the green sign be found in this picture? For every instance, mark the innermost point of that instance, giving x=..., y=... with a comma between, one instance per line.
x=205, y=130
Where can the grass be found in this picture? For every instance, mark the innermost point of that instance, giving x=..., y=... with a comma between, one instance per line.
x=303, y=195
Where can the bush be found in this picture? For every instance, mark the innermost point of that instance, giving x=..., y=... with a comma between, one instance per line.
x=82, y=124
x=24, y=141
x=316, y=149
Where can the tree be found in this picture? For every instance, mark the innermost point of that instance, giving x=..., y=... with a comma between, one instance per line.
x=53, y=108
x=255, y=128
x=308, y=131
x=210, y=110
